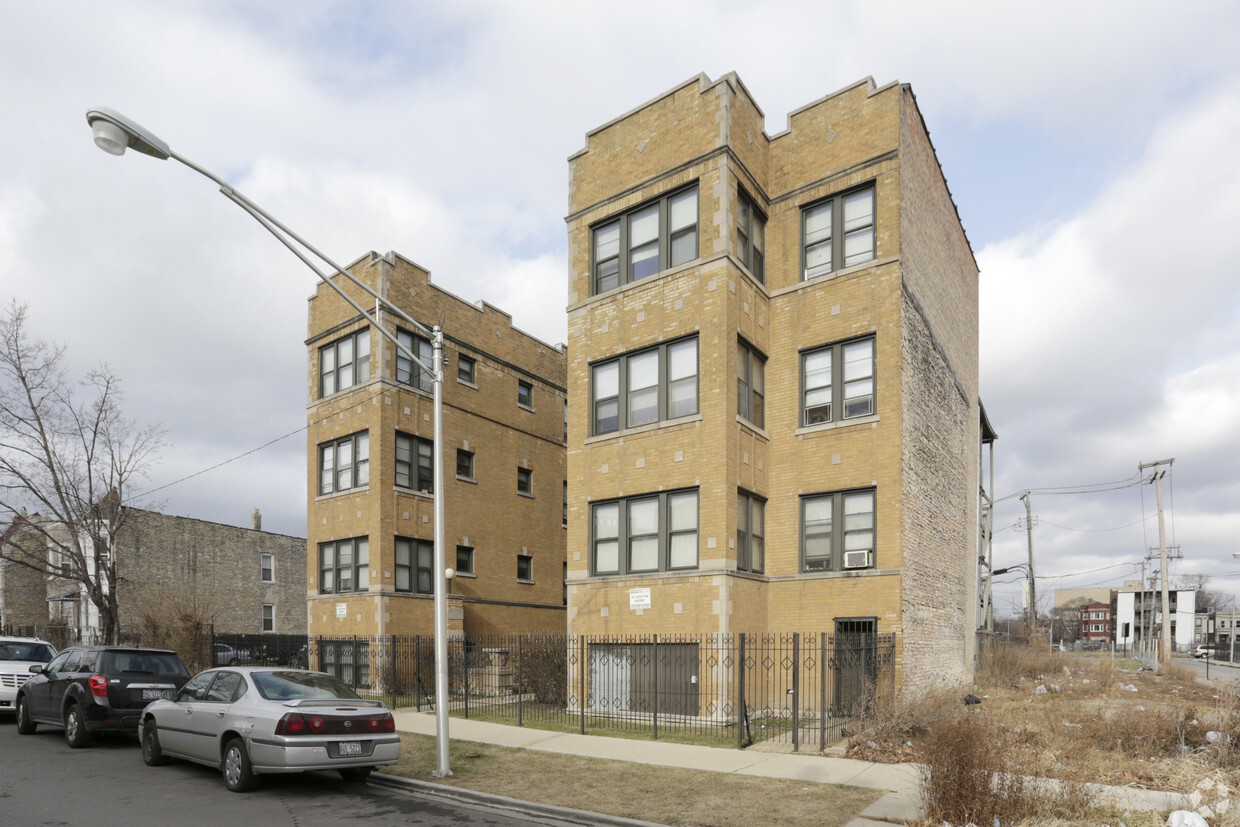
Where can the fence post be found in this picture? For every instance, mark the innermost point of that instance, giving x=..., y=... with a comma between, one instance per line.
x=520, y=717
x=865, y=677
x=417, y=672
x=392, y=668
x=581, y=684
x=655, y=666
x=796, y=691
x=465, y=668
x=822, y=690
x=741, y=715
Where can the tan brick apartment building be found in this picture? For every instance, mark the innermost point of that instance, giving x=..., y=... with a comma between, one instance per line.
x=772, y=376
x=370, y=511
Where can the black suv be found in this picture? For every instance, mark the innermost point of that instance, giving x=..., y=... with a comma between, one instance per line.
x=88, y=689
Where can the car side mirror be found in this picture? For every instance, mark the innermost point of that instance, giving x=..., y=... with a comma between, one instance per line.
x=36, y=668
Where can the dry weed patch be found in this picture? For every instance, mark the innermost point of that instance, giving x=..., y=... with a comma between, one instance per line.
x=1070, y=717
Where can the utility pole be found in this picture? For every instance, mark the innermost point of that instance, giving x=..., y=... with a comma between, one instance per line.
x=1162, y=554
x=1033, y=594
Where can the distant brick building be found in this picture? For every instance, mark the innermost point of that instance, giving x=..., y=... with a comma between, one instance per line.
x=370, y=450
x=773, y=376
x=1097, y=623
x=238, y=580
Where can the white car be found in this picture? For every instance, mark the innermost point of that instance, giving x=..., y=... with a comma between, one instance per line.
x=17, y=655
x=248, y=721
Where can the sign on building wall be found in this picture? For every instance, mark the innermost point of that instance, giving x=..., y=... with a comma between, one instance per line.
x=639, y=598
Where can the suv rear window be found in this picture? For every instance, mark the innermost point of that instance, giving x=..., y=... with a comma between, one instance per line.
x=142, y=663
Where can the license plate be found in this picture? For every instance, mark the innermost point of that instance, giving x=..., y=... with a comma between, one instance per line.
x=350, y=747
x=152, y=694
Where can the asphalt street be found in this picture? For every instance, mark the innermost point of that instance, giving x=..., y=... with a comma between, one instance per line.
x=44, y=782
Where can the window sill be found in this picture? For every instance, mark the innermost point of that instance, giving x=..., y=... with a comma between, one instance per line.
x=527, y=582
x=471, y=480
x=526, y=408
x=740, y=420
x=653, y=277
x=805, y=430
x=413, y=492
x=872, y=264
x=641, y=429
x=461, y=381
x=525, y=494
x=362, y=489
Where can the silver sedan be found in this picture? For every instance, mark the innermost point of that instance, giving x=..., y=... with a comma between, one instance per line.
x=249, y=721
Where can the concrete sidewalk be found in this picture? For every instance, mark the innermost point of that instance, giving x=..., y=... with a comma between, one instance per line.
x=901, y=803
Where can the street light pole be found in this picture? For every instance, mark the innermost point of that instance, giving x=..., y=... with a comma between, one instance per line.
x=114, y=133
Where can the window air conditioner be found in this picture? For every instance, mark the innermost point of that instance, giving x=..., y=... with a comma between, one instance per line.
x=857, y=559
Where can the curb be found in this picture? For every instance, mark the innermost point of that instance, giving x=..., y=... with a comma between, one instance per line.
x=459, y=795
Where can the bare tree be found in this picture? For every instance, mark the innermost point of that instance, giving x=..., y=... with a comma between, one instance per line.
x=1207, y=598
x=67, y=461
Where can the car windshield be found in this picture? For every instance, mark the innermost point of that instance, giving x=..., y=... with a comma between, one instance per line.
x=296, y=686
x=29, y=651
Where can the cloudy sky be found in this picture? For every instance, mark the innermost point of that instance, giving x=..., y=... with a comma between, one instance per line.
x=1089, y=148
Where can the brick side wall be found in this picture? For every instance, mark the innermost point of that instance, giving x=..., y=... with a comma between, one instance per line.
x=219, y=563
x=939, y=536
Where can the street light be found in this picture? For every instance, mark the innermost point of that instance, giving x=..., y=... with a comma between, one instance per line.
x=114, y=133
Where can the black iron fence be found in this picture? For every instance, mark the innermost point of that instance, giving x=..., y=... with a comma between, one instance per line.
x=803, y=690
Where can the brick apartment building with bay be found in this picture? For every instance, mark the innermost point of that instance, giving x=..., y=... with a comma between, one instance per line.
x=774, y=418
x=766, y=420
x=370, y=513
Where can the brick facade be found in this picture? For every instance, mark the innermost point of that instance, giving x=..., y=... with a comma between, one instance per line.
x=220, y=564
x=485, y=513
x=916, y=296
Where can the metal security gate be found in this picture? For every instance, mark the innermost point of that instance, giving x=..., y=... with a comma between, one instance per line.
x=854, y=664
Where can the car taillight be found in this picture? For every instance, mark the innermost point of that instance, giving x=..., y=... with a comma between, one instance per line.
x=383, y=723
x=99, y=686
x=317, y=724
x=291, y=724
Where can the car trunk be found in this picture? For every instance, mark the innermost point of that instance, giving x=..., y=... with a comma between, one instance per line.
x=135, y=678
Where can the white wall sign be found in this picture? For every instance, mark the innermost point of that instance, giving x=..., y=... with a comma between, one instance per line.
x=342, y=609
x=639, y=598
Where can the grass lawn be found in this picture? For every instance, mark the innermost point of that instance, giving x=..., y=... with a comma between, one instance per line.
x=639, y=791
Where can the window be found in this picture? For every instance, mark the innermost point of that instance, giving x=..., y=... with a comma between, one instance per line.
x=465, y=370
x=525, y=568
x=269, y=617
x=837, y=531
x=837, y=382
x=525, y=481
x=415, y=565
x=525, y=394
x=847, y=218
x=652, y=533
x=751, y=236
x=344, y=363
x=345, y=463
x=653, y=237
x=267, y=568
x=464, y=464
x=750, y=532
x=750, y=384
x=344, y=566
x=647, y=386
x=564, y=517
x=405, y=366
x=464, y=560
x=415, y=463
